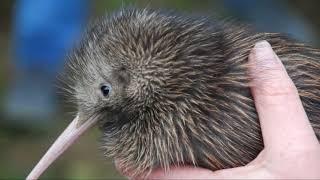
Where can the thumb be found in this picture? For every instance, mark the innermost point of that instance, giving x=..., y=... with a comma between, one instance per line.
x=281, y=114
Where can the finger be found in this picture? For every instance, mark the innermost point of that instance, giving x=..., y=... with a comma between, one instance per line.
x=183, y=172
x=283, y=120
x=245, y=172
x=186, y=172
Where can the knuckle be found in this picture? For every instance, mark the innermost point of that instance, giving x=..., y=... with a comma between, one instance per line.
x=277, y=89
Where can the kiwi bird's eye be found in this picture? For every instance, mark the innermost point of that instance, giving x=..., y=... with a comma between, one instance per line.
x=105, y=89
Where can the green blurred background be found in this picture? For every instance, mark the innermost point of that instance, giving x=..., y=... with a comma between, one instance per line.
x=22, y=146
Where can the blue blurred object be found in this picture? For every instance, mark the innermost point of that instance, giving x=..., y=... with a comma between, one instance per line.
x=271, y=16
x=44, y=30
x=43, y=33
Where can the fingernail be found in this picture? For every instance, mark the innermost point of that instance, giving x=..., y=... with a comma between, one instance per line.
x=262, y=49
x=263, y=55
x=262, y=44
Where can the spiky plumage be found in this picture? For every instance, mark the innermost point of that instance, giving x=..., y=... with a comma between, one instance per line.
x=180, y=88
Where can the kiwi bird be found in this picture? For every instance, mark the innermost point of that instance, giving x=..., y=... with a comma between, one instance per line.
x=170, y=89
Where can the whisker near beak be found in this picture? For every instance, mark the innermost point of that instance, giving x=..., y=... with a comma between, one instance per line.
x=64, y=141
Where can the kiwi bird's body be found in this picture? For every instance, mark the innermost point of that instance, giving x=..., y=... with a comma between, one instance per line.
x=179, y=88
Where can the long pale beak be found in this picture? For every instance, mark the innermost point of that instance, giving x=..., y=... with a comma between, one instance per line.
x=75, y=129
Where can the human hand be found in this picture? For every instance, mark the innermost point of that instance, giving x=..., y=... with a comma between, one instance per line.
x=291, y=148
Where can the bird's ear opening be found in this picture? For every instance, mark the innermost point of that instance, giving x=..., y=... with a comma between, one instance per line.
x=75, y=129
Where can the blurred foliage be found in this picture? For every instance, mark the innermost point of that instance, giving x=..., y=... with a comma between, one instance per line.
x=21, y=146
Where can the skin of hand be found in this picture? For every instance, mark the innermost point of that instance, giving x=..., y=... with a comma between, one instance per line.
x=292, y=150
